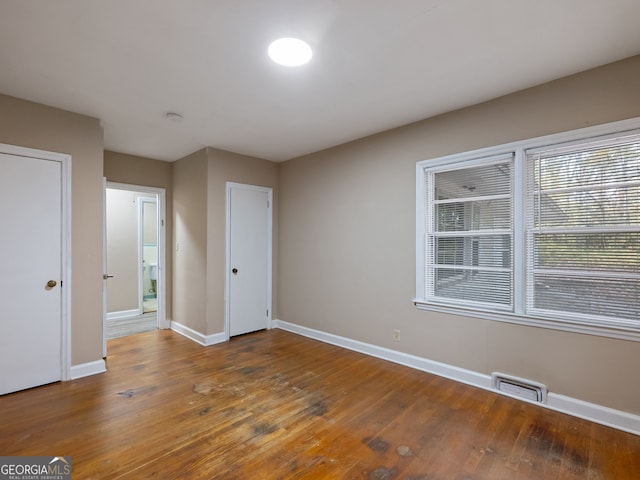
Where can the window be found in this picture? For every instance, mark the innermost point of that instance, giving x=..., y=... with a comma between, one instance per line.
x=469, y=233
x=544, y=231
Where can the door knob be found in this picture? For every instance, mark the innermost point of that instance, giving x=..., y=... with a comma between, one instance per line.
x=106, y=275
x=234, y=271
x=51, y=283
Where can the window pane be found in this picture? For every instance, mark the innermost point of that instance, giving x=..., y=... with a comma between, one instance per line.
x=585, y=229
x=473, y=285
x=604, y=206
x=473, y=182
x=450, y=251
x=606, y=252
x=474, y=251
x=589, y=167
x=590, y=296
x=473, y=215
x=450, y=217
x=470, y=234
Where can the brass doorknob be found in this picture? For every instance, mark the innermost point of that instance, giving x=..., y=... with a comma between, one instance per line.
x=51, y=283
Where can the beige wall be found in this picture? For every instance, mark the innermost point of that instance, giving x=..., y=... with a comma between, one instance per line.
x=200, y=221
x=229, y=167
x=37, y=126
x=347, y=241
x=134, y=170
x=190, y=241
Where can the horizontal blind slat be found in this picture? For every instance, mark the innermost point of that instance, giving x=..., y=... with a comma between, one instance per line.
x=469, y=241
x=583, y=217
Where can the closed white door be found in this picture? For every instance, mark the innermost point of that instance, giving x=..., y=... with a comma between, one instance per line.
x=30, y=266
x=249, y=258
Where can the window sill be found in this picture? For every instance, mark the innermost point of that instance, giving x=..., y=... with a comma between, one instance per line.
x=624, y=332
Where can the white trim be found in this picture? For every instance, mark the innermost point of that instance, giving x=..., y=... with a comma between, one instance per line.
x=65, y=243
x=204, y=340
x=519, y=232
x=227, y=282
x=105, y=315
x=538, y=142
x=66, y=266
x=621, y=332
x=421, y=230
x=610, y=417
x=227, y=262
x=141, y=201
x=123, y=314
x=161, y=284
x=87, y=369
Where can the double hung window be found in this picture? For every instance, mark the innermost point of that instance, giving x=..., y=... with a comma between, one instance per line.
x=544, y=231
x=470, y=233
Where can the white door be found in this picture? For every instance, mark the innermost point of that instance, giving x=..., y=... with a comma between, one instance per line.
x=31, y=272
x=249, y=258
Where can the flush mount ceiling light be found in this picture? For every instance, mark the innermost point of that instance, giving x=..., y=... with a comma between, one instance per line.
x=290, y=52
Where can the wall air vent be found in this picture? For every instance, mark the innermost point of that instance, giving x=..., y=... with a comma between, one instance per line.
x=519, y=387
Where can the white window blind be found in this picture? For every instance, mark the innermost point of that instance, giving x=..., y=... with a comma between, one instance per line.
x=469, y=234
x=583, y=230
x=542, y=232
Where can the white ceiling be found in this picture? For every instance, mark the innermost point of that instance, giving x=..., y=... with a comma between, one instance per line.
x=377, y=64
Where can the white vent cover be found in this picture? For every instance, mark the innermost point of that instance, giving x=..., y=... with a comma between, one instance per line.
x=519, y=387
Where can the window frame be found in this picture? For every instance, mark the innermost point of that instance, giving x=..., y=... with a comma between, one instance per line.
x=470, y=235
x=622, y=329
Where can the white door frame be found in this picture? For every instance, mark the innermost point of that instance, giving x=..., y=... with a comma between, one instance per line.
x=162, y=228
x=141, y=202
x=65, y=243
x=227, y=283
x=104, y=267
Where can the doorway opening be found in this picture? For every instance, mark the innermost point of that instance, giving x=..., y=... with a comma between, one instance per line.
x=133, y=258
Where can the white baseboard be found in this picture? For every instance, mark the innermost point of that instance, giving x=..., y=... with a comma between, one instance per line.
x=86, y=369
x=164, y=324
x=204, y=340
x=124, y=314
x=610, y=417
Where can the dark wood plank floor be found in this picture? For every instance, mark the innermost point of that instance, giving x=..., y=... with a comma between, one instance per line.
x=274, y=405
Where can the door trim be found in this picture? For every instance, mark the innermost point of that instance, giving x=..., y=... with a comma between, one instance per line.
x=141, y=202
x=227, y=283
x=162, y=238
x=65, y=244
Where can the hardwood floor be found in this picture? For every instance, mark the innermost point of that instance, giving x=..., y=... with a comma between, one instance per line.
x=274, y=405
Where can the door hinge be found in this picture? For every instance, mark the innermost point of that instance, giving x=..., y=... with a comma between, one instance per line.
x=267, y=203
x=267, y=312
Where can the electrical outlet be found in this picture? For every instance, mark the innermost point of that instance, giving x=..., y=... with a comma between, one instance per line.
x=396, y=335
